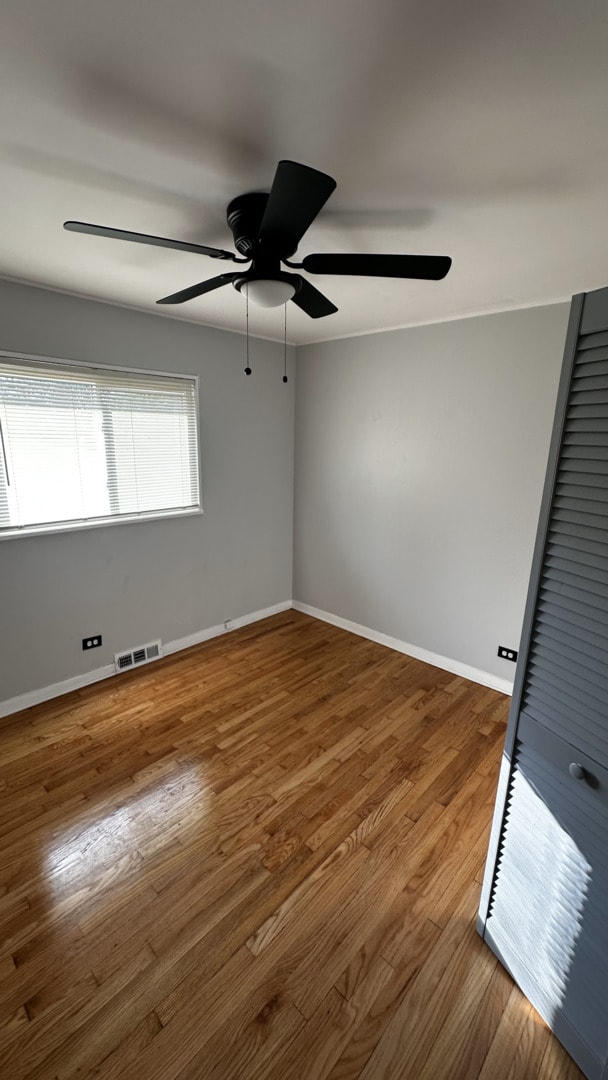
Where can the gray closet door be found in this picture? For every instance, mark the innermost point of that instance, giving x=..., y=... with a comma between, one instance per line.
x=544, y=907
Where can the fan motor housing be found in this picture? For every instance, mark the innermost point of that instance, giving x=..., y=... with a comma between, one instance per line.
x=244, y=216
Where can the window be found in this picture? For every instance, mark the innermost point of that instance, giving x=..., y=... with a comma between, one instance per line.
x=86, y=445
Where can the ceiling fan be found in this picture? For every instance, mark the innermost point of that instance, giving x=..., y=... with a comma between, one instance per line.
x=267, y=229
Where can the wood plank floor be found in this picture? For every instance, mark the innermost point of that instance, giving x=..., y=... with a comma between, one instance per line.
x=260, y=858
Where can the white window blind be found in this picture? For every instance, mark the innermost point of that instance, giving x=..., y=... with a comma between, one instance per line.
x=86, y=445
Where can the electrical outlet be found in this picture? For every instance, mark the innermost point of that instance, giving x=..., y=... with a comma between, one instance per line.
x=507, y=654
x=91, y=642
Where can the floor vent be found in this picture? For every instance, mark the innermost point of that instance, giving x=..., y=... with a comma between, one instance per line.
x=143, y=654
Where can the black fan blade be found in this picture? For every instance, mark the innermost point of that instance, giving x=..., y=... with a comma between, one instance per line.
x=143, y=238
x=430, y=267
x=310, y=300
x=198, y=290
x=296, y=196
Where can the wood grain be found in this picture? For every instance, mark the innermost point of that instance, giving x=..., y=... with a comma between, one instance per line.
x=259, y=858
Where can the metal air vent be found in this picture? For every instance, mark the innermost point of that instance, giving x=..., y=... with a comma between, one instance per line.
x=141, y=654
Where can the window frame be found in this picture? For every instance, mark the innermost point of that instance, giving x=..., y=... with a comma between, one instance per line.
x=78, y=524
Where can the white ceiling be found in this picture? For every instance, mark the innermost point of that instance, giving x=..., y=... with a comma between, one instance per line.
x=471, y=129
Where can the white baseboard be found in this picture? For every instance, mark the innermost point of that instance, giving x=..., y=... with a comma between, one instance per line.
x=45, y=693
x=485, y=678
x=221, y=628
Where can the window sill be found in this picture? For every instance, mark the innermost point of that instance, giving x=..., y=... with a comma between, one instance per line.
x=98, y=523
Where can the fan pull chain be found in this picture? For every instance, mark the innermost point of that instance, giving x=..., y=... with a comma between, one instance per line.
x=285, y=345
x=248, y=368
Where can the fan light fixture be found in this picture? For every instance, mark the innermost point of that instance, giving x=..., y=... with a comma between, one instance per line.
x=267, y=229
x=268, y=293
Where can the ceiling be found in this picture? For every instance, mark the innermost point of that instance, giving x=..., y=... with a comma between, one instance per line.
x=472, y=129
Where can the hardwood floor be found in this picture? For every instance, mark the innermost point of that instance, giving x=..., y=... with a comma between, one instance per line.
x=258, y=859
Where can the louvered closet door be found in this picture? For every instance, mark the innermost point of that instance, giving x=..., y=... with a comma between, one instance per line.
x=544, y=906
x=548, y=919
x=566, y=687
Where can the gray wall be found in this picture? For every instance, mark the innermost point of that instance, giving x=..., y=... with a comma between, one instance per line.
x=420, y=459
x=171, y=578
